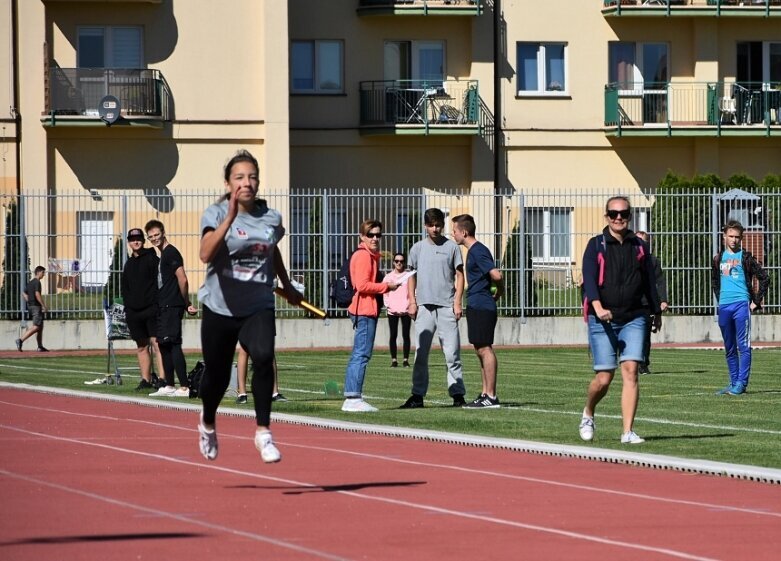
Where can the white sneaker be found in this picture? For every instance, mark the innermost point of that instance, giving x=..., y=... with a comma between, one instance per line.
x=182, y=392
x=265, y=445
x=631, y=437
x=586, y=428
x=96, y=382
x=165, y=391
x=207, y=441
x=352, y=405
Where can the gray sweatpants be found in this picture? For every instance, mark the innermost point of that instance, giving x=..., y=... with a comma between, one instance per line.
x=442, y=320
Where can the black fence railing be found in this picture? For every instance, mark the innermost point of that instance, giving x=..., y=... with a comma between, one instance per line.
x=142, y=92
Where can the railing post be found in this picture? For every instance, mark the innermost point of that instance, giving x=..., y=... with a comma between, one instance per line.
x=22, y=257
x=522, y=254
x=325, y=246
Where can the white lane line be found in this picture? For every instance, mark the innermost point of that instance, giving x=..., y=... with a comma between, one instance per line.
x=407, y=504
x=656, y=498
x=180, y=517
x=395, y=502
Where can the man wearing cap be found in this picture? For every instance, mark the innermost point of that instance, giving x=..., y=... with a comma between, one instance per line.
x=139, y=294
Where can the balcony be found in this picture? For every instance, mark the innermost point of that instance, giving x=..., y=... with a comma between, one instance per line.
x=419, y=8
x=417, y=107
x=707, y=8
x=73, y=96
x=693, y=109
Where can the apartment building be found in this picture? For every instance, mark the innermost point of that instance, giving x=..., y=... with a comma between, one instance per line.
x=456, y=97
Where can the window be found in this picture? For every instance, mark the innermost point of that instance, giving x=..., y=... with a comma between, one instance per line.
x=317, y=66
x=550, y=231
x=415, y=60
x=110, y=47
x=542, y=68
x=638, y=66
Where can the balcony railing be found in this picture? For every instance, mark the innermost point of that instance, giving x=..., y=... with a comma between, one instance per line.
x=694, y=109
x=691, y=7
x=76, y=92
x=420, y=7
x=447, y=106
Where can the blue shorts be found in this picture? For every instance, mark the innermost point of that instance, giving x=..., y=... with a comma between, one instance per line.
x=612, y=343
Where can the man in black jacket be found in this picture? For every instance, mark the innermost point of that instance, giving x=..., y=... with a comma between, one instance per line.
x=139, y=295
x=617, y=276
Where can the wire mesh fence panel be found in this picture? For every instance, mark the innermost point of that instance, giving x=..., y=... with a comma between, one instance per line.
x=537, y=239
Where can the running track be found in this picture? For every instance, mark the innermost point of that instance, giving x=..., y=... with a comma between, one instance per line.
x=84, y=479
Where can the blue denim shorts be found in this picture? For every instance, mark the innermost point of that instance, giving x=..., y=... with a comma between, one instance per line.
x=612, y=343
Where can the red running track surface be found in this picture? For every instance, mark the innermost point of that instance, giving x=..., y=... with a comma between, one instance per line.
x=93, y=480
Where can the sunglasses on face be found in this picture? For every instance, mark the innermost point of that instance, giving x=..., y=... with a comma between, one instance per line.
x=372, y=235
x=613, y=214
x=398, y=260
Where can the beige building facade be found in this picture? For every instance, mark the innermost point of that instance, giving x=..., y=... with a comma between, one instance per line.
x=456, y=97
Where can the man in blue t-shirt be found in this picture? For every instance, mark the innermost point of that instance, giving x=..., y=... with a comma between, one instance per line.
x=481, y=296
x=732, y=279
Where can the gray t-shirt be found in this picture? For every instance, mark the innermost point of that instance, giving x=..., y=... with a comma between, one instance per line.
x=436, y=265
x=240, y=279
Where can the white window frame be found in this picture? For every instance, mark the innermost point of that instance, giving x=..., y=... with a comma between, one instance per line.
x=316, y=89
x=766, y=64
x=108, y=44
x=546, y=256
x=415, y=47
x=638, y=80
x=542, y=79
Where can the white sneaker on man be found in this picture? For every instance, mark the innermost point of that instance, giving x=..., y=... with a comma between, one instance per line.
x=165, y=391
x=182, y=392
x=357, y=405
x=265, y=445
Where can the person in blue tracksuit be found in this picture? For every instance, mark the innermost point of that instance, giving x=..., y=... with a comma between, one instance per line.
x=733, y=273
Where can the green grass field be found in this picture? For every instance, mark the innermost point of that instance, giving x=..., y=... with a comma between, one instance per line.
x=542, y=393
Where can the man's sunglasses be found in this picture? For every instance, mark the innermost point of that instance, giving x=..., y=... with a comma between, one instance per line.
x=372, y=235
x=398, y=260
x=613, y=214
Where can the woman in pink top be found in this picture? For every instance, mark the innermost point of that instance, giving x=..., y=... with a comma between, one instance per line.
x=397, y=302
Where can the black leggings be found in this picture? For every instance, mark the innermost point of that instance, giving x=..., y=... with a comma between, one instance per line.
x=393, y=324
x=219, y=335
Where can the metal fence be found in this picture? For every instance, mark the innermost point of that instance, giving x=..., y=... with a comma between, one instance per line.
x=537, y=240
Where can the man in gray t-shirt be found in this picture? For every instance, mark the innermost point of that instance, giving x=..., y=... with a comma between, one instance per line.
x=435, y=293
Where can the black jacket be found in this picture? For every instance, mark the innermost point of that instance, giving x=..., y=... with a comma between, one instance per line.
x=619, y=275
x=139, y=280
x=751, y=269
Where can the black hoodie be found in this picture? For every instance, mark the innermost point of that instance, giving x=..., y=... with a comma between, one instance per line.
x=139, y=280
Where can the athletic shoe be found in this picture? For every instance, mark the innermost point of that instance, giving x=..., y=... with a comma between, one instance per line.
x=631, y=438
x=144, y=385
x=265, y=445
x=405, y=364
x=587, y=428
x=19, y=345
x=242, y=399
x=724, y=390
x=42, y=350
x=414, y=402
x=96, y=381
x=483, y=402
x=643, y=369
x=182, y=392
x=157, y=382
x=165, y=391
x=353, y=405
x=458, y=400
x=278, y=397
x=394, y=364
x=207, y=441
x=736, y=389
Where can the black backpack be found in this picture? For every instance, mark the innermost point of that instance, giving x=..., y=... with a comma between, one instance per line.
x=341, y=289
x=194, y=379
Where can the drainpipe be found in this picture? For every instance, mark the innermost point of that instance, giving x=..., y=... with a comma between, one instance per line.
x=15, y=113
x=497, y=140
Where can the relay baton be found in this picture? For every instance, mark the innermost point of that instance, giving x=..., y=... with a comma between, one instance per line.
x=303, y=304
